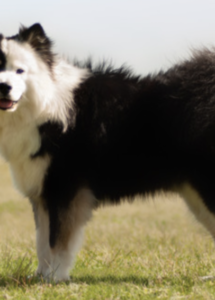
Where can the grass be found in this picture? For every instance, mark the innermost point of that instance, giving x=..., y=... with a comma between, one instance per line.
x=145, y=250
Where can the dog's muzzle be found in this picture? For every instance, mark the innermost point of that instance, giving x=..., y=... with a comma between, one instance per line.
x=5, y=101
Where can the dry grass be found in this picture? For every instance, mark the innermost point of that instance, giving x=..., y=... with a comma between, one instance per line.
x=151, y=249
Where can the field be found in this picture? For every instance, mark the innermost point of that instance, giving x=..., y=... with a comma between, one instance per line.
x=146, y=250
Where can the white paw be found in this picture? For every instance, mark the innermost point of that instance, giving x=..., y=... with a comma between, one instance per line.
x=50, y=275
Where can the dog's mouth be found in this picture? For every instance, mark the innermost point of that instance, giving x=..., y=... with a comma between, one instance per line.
x=7, y=103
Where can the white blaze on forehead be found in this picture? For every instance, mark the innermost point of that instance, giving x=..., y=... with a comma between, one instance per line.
x=20, y=54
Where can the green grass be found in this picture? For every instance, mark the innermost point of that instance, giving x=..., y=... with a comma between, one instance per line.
x=145, y=250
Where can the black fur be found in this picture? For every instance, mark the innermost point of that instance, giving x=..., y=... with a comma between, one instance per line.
x=2, y=60
x=2, y=56
x=133, y=135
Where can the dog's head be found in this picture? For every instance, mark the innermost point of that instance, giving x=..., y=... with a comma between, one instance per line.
x=22, y=58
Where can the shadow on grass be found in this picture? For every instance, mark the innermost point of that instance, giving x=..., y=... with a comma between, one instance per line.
x=112, y=279
x=187, y=282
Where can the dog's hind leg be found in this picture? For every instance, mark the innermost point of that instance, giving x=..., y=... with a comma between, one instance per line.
x=66, y=233
x=199, y=208
x=202, y=212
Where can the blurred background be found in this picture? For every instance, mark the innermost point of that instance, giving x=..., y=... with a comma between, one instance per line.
x=146, y=35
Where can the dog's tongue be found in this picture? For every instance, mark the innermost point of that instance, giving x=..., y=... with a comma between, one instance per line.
x=5, y=103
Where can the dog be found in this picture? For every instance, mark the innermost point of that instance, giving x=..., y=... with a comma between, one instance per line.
x=78, y=135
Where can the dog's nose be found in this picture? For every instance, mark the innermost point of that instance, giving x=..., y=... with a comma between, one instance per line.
x=5, y=89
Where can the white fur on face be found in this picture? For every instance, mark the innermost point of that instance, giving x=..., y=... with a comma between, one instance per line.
x=17, y=58
x=46, y=96
x=16, y=82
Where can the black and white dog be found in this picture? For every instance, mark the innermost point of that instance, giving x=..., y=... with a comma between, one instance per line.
x=75, y=136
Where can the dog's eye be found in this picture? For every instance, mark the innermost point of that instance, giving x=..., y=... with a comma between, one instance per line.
x=19, y=71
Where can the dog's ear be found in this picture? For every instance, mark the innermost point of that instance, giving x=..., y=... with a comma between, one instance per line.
x=36, y=37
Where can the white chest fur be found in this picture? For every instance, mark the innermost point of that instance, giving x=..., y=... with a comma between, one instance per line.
x=17, y=144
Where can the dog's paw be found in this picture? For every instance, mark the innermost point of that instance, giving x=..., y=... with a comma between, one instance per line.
x=53, y=276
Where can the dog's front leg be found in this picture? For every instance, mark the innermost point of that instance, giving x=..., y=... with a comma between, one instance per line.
x=42, y=238
x=66, y=234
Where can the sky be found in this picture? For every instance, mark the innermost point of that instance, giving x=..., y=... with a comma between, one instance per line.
x=146, y=35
